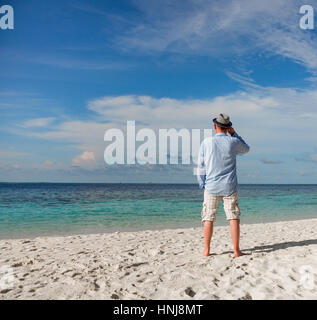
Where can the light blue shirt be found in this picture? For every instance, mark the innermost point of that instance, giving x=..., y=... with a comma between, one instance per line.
x=217, y=171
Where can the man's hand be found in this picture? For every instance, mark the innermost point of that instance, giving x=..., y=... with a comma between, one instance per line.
x=231, y=131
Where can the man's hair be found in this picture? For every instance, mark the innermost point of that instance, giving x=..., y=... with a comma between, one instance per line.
x=222, y=129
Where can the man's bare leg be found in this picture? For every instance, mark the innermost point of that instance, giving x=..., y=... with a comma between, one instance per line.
x=208, y=229
x=235, y=235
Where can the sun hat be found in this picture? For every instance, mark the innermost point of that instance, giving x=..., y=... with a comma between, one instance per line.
x=223, y=121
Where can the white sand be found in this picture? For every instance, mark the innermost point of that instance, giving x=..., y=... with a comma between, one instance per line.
x=165, y=264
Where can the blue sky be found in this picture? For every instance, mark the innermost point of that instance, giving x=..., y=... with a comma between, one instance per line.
x=72, y=69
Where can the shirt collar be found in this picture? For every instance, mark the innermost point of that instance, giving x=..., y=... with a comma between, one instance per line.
x=221, y=134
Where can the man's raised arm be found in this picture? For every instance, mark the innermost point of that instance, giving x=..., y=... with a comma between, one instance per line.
x=241, y=146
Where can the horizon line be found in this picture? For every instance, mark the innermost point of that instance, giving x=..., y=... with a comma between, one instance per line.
x=146, y=183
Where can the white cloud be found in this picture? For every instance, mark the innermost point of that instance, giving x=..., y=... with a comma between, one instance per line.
x=12, y=154
x=179, y=113
x=273, y=120
x=47, y=165
x=15, y=93
x=307, y=157
x=270, y=161
x=71, y=63
x=38, y=122
x=219, y=28
x=85, y=160
x=77, y=132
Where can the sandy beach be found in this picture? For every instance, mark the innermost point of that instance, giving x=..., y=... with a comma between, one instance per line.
x=281, y=263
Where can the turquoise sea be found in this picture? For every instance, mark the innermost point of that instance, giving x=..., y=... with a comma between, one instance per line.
x=34, y=209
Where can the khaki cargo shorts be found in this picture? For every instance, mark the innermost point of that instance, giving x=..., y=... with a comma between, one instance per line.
x=211, y=204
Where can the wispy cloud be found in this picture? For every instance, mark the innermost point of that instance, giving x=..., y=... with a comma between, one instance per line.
x=16, y=93
x=79, y=64
x=38, y=122
x=307, y=173
x=242, y=79
x=48, y=165
x=95, y=60
x=170, y=112
x=12, y=154
x=264, y=116
x=270, y=161
x=307, y=157
x=217, y=28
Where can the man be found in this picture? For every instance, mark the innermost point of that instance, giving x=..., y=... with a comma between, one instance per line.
x=217, y=176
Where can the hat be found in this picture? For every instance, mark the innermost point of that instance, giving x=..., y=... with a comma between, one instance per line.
x=223, y=121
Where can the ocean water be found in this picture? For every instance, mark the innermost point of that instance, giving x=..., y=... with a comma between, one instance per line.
x=35, y=209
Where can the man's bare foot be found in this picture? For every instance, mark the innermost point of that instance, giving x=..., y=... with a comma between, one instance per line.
x=238, y=254
x=206, y=252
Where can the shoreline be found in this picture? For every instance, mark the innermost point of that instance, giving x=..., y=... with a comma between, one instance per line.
x=166, y=264
x=195, y=226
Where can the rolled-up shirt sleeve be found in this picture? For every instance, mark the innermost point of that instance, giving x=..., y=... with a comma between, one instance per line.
x=241, y=146
x=201, y=169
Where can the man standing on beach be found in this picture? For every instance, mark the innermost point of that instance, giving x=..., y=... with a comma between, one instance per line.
x=217, y=176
